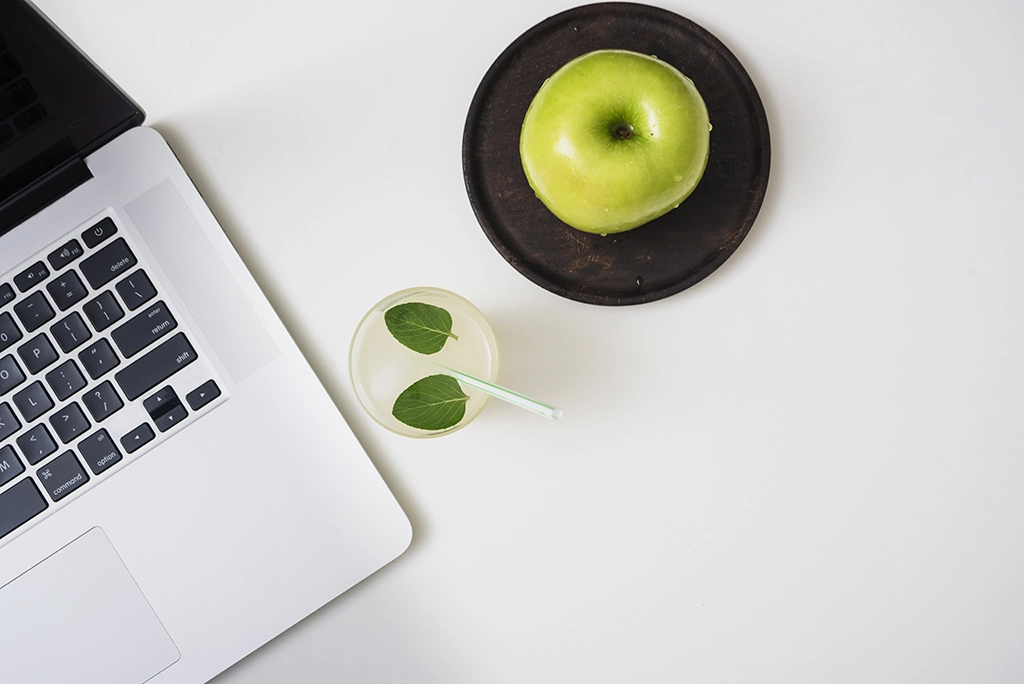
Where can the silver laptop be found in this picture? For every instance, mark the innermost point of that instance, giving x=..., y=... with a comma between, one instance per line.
x=176, y=487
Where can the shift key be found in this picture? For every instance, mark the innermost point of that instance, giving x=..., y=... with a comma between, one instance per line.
x=156, y=366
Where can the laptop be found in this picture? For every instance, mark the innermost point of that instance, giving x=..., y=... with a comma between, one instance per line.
x=176, y=487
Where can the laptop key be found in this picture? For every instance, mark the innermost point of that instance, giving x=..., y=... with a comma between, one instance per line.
x=6, y=294
x=10, y=465
x=98, y=233
x=99, y=452
x=37, y=353
x=33, y=401
x=8, y=422
x=18, y=505
x=31, y=276
x=10, y=375
x=65, y=254
x=107, y=264
x=144, y=329
x=165, y=409
x=67, y=290
x=173, y=417
x=103, y=311
x=102, y=401
x=98, y=358
x=69, y=423
x=136, y=290
x=70, y=333
x=202, y=395
x=156, y=366
x=137, y=438
x=62, y=475
x=34, y=311
x=65, y=380
x=9, y=332
x=36, y=444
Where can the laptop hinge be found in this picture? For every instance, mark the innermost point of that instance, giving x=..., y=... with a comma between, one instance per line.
x=40, y=195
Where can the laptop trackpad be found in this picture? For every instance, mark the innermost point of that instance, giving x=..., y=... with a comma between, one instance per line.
x=78, y=616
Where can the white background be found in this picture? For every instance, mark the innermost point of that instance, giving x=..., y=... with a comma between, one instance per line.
x=807, y=468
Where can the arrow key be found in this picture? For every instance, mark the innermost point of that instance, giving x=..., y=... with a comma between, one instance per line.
x=171, y=418
x=203, y=395
x=166, y=409
x=137, y=438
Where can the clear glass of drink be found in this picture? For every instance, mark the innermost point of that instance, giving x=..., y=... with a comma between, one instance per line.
x=384, y=369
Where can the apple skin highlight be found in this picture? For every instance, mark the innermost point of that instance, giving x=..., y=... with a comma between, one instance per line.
x=613, y=140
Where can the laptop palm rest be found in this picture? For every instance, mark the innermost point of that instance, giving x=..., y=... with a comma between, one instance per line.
x=79, y=616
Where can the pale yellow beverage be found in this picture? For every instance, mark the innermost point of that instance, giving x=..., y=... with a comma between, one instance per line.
x=382, y=368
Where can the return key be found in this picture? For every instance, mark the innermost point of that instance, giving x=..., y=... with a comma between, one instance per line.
x=143, y=329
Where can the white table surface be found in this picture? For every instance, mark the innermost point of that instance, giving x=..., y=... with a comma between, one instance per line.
x=807, y=468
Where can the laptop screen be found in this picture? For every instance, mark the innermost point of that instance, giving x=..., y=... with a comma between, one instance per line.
x=55, y=106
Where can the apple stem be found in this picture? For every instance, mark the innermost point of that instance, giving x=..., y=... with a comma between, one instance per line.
x=623, y=131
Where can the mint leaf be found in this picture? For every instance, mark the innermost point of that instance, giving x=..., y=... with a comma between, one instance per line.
x=421, y=327
x=434, y=403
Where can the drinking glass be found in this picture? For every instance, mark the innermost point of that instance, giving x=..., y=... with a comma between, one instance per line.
x=381, y=367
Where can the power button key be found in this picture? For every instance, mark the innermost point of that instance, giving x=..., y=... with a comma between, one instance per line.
x=98, y=233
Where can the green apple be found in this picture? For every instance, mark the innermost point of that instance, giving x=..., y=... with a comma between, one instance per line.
x=614, y=139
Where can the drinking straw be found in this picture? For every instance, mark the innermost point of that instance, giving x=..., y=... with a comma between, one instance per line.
x=505, y=394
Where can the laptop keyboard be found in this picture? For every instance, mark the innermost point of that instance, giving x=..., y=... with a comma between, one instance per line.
x=90, y=371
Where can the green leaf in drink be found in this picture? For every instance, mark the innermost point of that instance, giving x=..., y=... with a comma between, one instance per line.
x=421, y=327
x=436, y=402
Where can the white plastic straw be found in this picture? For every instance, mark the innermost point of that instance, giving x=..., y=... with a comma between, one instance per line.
x=506, y=394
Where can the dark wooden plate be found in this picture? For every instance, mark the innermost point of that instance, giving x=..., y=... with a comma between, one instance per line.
x=664, y=256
